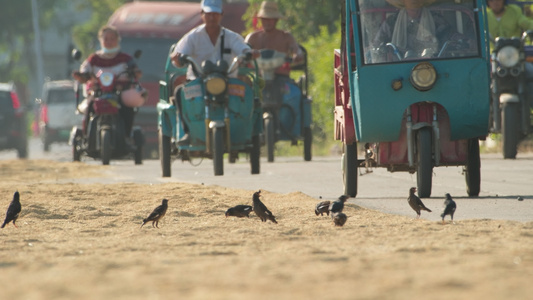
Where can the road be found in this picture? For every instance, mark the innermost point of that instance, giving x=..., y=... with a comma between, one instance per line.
x=502, y=182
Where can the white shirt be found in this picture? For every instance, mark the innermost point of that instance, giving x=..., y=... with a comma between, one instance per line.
x=196, y=44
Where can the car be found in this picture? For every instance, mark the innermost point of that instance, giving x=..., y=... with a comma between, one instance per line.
x=57, y=112
x=13, y=125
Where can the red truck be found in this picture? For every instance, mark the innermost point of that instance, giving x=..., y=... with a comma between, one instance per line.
x=153, y=27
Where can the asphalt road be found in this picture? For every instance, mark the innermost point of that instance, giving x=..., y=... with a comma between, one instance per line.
x=502, y=182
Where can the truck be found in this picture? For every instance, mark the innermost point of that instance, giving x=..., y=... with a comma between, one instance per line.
x=153, y=27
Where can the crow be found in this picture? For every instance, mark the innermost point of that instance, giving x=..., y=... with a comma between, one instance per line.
x=322, y=207
x=261, y=210
x=157, y=214
x=239, y=211
x=449, y=207
x=338, y=205
x=13, y=210
x=415, y=202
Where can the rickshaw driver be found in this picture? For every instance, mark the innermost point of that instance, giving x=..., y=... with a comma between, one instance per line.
x=414, y=30
x=208, y=41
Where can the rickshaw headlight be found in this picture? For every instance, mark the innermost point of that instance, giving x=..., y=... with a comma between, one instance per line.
x=423, y=76
x=508, y=56
x=215, y=84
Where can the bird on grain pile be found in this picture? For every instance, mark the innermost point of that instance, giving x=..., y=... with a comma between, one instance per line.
x=157, y=214
x=449, y=207
x=322, y=208
x=415, y=202
x=13, y=210
x=261, y=210
x=339, y=219
x=337, y=205
x=239, y=211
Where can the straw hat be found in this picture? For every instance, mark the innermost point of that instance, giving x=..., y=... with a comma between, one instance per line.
x=269, y=10
x=417, y=3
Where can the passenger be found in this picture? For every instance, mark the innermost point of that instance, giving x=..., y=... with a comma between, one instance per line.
x=208, y=41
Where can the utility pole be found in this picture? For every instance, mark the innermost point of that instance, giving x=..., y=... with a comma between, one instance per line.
x=38, y=50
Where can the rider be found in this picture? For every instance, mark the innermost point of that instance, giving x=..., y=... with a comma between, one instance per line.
x=110, y=59
x=506, y=20
x=208, y=41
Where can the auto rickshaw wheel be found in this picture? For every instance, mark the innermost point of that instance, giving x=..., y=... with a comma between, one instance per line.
x=105, y=151
x=218, y=150
x=138, y=139
x=164, y=153
x=255, y=154
x=472, y=169
x=509, y=131
x=349, y=169
x=424, y=174
x=308, y=140
x=269, y=138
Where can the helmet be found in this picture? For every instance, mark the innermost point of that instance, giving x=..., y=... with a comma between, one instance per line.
x=134, y=97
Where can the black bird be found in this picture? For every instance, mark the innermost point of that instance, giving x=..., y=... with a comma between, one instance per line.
x=157, y=214
x=261, y=210
x=13, y=210
x=449, y=207
x=322, y=207
x=337, y=205
x=339, y=219
x=239, y=211
x=415, y=202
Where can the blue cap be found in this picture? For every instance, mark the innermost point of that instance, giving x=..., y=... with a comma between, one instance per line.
x=212, y=6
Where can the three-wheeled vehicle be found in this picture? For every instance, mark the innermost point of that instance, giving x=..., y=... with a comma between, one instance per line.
x=413, y=88
x=222, y=113
x=286, y=105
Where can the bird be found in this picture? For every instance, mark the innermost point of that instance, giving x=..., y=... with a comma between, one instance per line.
x=322, y=207
x=239, y=211
x=157, y=214
x=261, y=210
x=415, y=202
x=339, y=219
x=449, y=207
x=13, y=210
x=337, y=205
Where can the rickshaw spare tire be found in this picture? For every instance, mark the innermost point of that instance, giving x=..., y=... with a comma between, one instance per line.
x=218, y=150
x=424, y=173
x=510, y=130
x=472, y=169
x=349, y=169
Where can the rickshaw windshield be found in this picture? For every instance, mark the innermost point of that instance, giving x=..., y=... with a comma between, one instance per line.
x=399, y=30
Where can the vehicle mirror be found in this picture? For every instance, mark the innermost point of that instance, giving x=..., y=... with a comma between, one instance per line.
x=76, y=54
x=137, y=53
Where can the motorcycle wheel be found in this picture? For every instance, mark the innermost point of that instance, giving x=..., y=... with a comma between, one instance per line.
x=76, y=145
x=164, y=153
x=46, y=139
x=472, y=169
x=105, y=151
x=349, y=169
x=269, y=138
x=509, y=131
x=424, y=174
x=218, y=150
x=308, y=140
x=138, y=139
x=255, y=154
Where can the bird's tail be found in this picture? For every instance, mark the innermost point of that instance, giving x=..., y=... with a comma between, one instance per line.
x=3, y=225
x=273, y=219
x=426, y=209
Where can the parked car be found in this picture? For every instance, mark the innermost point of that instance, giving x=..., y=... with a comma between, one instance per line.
x=57, y=112
x=13, y=133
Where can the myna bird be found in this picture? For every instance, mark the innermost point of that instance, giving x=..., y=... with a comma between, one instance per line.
x=338, y=205
x=13, y=210
x=339, y=219
x=415, y=202
x=261, y=210
x=449, y=207
x=239, y=211
x=322, y=208
x=157, y=214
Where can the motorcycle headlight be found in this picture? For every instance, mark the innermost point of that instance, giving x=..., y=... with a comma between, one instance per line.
x=423, y=76
x=106, y=78
x=508, y=56
x=215, y=84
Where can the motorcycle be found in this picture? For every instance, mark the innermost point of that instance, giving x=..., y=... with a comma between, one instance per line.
x=222, y=113
x=511, y=100
x=286, y=106
x=103, y=134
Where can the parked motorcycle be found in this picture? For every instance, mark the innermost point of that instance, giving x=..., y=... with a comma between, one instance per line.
x=104, y=136
x=286, y=106
x=511, y=100
x=222, y=114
